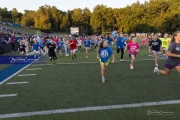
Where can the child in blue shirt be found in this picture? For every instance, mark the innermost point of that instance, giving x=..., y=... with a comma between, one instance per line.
x=120, y=44
x=104, y=53
x=87, y=44
x=59, y=46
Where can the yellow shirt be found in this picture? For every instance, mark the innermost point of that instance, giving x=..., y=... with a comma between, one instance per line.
x=165, y=42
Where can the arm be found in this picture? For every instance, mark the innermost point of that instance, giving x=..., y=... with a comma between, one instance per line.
x=112, y=58
x=170, y=54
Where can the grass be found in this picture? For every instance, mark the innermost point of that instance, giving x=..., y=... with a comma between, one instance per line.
x=79, y=85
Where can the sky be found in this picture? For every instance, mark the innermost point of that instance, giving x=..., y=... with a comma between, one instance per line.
x=64, y=5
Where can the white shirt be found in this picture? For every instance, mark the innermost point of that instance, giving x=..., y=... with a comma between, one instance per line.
x=79, y=42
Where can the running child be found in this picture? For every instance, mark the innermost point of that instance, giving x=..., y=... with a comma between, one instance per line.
x=73, y=47
x=21, y=48
x=27, y=44
x=36, y=48
x=165, y=43
x=104, y=53
x=52, y=51
x=59, y=46
x=87, y=44
x=143, y=41
x=120, y=44
x=173, y=53
x=133, y=49
x=79, y=42
x=155, y=47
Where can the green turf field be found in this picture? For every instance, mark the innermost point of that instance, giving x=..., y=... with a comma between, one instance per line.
x=77, y=85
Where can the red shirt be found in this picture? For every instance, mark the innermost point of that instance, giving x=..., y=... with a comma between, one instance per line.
x=128, y=41
x=12, y=39
x=73, y=45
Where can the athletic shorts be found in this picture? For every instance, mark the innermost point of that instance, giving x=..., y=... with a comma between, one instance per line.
x=36, y=51
x=22, y=50
x=133, y=54
x=154, y=51
x=59, y=48
x=52, y=55
x=168, y=66
x=87, y=48
x=105, y=64
x=73, y=51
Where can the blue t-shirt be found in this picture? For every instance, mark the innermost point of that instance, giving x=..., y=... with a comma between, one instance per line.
x=114, y=34
x=41, y=42
x=105, y=54
x=109, y=41
x=60, y=44
x=120, y=42
x=87, y=43
x=35, y=47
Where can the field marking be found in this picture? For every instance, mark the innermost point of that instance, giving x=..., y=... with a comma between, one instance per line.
x=34, y=69
x=26, y=74
x=19, y=71
x=13, y=83
x=71, y=110
x=8, y=95
x=94, y=62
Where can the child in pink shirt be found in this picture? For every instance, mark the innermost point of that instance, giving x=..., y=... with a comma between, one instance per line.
x=144, y=41
x=133, y=49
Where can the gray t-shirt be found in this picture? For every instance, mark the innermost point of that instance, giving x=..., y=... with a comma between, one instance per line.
x=175, y=49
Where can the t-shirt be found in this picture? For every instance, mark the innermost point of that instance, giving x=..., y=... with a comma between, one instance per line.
x=35, y=47
x=21, y=47
x=165, y=42
x=60, y=44
x=73, y=45
x=51, y=47
x=105, y=54
x=79, y=42
x=132, y=47
x=87, y=43
x=175, y=49
x=155, y=44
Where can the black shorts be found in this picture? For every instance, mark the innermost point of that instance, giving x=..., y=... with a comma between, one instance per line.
x=79, y=46
x=52, y=55
x=22, y=50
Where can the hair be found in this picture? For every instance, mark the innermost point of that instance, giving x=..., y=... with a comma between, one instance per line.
x=173, y=36
x=101, y=45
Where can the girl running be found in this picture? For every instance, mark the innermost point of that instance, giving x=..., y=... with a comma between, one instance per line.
x=21, y=48
x=27, y=44
x=52, y=51
x=79, y=41
x=155, y=47
x=133, y=49
x=104, y=53
x=173, y=54
x=120, y=45
x=165, y=43
x=143, y=41
x=36, y=48
x=87, y=44
x=59, y=46
x=73, y=47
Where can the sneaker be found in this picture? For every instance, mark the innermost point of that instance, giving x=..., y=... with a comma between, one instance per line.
x=86, y=57
x=54, y=64
x=131, y=67
x=121, y=60
x=155, y=70
x=103, y=80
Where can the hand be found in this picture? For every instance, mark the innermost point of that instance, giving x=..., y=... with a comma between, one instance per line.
x=118, y=46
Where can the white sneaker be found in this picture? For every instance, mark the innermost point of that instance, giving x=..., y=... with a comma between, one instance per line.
x=103, y=80
x=155, y=70
x=86, y=57
x=121, y=60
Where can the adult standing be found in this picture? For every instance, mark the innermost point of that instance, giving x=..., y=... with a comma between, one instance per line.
x=12, y=42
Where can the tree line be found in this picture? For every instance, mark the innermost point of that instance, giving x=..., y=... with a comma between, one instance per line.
x=153, y=16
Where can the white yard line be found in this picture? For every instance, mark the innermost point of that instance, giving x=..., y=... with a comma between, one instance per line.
x=13, y=83
x=18, y=71
x=34, y=69
x=71, y=110
x=92, y=62
x=26, y=74
x=8, y=95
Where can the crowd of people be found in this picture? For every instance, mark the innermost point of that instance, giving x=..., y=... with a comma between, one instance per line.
x=104, y=44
